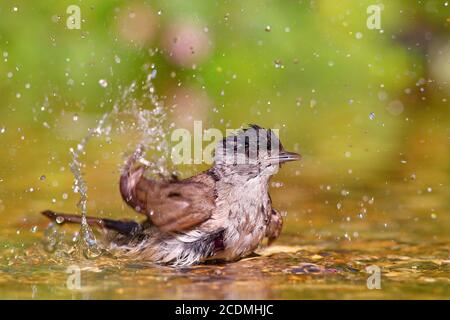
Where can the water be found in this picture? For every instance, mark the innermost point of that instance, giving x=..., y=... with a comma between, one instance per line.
x=312, y=259
x=150, y=115
x=88, y=243
x=332, y=232
x=323, y=252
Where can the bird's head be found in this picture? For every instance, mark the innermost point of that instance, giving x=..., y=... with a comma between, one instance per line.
x=252, y=151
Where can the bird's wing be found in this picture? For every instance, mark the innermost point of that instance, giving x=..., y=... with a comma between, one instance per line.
x=171, y=206
x=275, y=225
x=180, y=206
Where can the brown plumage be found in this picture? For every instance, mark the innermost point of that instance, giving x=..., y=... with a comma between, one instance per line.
x=222, y=213
x=170, y=205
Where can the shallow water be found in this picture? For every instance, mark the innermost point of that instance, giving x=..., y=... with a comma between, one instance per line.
x=322, y=253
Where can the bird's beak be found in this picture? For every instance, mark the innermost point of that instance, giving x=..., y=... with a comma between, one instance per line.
x=285, y=156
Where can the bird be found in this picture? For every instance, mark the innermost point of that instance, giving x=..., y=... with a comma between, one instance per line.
x=221, y=214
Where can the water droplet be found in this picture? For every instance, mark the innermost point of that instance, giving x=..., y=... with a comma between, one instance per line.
x=2, y=130
x=34, y=229
x=42, y=178
x=358, y=35
x=59, y=219
x=15, y=9
x=75, y=117
x=153, y=74
x=382, y=95
x=278, y=64
x=76, y=237
x=372, y=116
x=338, y=206
x=9, y=75
x=395, y=107
x=268, y=28
x=117, y=59
x=103, y=83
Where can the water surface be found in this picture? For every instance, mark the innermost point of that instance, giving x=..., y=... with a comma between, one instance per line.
x=322, y=253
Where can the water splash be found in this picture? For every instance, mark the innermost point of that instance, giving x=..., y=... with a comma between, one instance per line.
x=151, y=123
x=89, y=245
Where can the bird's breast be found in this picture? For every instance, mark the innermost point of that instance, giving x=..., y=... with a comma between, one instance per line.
x=247, y=210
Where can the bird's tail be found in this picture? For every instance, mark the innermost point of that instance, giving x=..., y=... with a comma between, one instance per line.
x=133, y=185
x=121, y=226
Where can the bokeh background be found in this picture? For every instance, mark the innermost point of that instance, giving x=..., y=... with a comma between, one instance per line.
x=367, y=109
